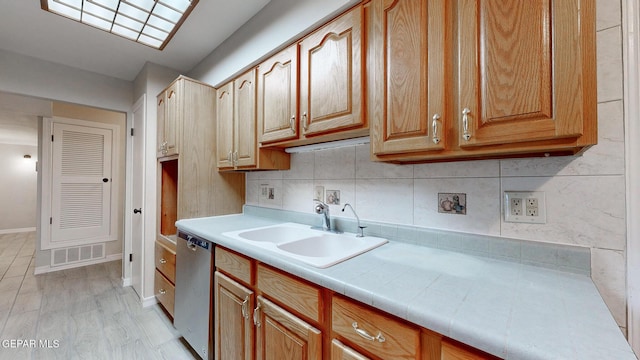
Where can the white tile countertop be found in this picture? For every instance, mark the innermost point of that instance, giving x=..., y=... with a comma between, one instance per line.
x=508, y=309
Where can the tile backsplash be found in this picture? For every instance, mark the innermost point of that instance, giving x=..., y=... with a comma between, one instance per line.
x=573, y=259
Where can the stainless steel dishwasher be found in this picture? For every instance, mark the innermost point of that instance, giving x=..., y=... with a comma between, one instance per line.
x=194, y=266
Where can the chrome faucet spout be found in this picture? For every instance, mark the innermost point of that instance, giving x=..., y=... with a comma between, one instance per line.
x=322, y=208
x=360, y=228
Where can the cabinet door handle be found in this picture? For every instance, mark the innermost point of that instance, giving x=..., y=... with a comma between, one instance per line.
x=256, y=316
x=162, y=291
x=434, y=124
x=229, y=157
x=235, y=158
x=364, y=334
x=292, y=123
x=305, y=125
x=163, y=261
x=245, y=312
x=465, y=124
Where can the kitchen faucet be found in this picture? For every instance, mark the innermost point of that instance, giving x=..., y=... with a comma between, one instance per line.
x=360, y=228
x=322, y=208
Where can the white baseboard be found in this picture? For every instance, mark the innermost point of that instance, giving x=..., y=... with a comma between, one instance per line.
x=126, y=282
x=150, y=301
x=21, y=230
x=48, y=268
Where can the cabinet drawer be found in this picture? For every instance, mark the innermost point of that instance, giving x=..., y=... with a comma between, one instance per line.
x=341, y=352
x=297, y=295
x=165, y=292
x=166, y=261
x=232, y=264
x=401, y=341
x=453, y=351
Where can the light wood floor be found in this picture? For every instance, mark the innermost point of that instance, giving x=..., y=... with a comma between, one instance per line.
x=84, y=311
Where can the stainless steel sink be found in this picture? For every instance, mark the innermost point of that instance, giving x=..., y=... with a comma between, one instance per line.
x=314, y=247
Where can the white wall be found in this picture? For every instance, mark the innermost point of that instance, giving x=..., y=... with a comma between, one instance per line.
x=585, y=195
x=25, y=75
x=151, y=81
x=18, y=187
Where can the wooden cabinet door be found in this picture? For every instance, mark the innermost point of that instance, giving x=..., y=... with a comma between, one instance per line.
x=281, y=335
x=232, y=319
x=245, y=120
x=339, y=351
x=225, y=125
x=277, y=96
x=408, y=79
x=521, y=71
x=331, y=76
x=172, y=118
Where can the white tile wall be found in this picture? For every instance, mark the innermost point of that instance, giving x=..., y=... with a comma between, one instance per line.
x=585, y=195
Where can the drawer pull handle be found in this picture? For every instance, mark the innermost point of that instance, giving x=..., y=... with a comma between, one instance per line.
x=163, y=261
x=365, y=334
x=245, y=313
x=162, y=291
x=256, y=316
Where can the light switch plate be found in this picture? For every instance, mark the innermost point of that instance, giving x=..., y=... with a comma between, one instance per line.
x=525, y=207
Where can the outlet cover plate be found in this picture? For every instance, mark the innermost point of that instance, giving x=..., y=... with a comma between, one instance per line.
x=531, y=207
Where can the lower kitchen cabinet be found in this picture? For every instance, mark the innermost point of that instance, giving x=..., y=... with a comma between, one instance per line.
x=295, y=319
x=340, y=351
x=282, y=335
x=438, y=347
x=374, y=331
x=165, y=275
x=233, y=323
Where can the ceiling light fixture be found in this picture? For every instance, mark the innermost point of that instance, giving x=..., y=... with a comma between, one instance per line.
x=149, y=22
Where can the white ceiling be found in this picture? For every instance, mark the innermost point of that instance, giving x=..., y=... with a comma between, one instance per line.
x=27, y=29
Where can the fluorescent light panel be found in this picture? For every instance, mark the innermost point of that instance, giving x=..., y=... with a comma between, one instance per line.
x=149, y=22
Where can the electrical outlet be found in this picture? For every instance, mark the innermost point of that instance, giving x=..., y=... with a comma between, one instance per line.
x=515, y=206
x=525, y=207
x=532, y=207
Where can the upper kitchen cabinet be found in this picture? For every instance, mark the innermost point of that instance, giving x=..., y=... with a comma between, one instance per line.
x=331, y=76
x=330, y=63
x=522, y=80
x=169, y=102
x=410, y=53
x=226, y=126
x=236, y=137
x=526, y=72
x=188, y=184
x=278, y=96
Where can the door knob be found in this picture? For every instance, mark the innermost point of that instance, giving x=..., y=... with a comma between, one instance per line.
x=137, y=211
x=105, y=180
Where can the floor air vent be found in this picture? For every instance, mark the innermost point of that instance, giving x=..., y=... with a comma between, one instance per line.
x=77, y=254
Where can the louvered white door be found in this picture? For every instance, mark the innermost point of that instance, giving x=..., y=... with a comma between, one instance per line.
x=81, y=184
